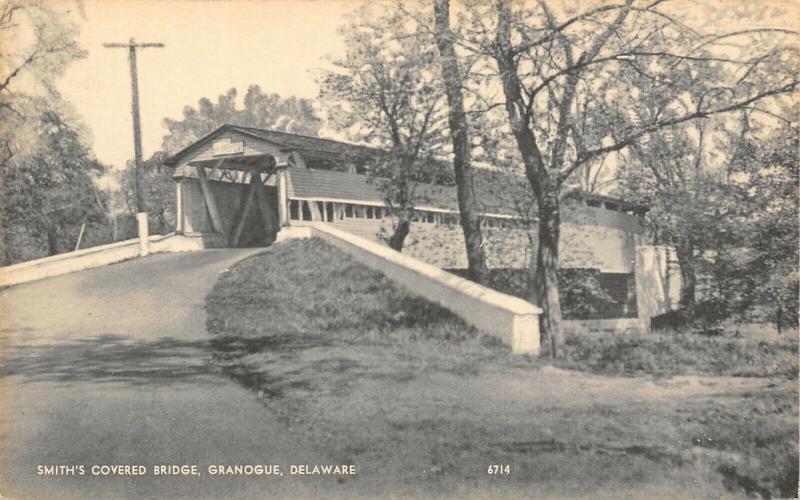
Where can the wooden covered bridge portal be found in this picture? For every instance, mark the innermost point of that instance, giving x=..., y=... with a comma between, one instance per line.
x=254, y=212
x=232, y=186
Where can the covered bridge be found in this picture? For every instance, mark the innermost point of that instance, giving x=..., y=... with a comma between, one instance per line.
x=238, y=186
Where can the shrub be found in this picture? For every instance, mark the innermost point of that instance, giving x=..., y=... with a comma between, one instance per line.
x=705, y=317
x=585, y=293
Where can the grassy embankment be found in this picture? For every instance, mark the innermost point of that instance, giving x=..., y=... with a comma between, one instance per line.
x=406, y=390
x=745, y=352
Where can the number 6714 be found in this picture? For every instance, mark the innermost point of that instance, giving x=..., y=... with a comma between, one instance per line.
x=499, y=469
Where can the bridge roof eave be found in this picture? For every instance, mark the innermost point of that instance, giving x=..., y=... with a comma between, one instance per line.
x=264, y=163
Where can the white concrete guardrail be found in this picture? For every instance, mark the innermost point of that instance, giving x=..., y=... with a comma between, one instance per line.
x=87, y=258
x=513, y=320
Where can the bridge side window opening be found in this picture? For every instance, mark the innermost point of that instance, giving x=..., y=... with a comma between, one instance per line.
x=449, y=219
x=306, y=210
x=423, y=216
x=329, y=211
x=294, y=210
x=321, y=210
x=348, y=211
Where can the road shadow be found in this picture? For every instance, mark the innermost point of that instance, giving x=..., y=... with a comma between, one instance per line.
x=110, y=358
x=269, y=374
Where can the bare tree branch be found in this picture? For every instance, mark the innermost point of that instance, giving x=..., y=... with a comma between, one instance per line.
x=628, y=140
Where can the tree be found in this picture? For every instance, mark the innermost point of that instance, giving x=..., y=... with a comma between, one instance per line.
x=462, y=148
x=44, y=162
x=38, y=43
x=158, y=189
x=49, y=192
x=759, y=263
x=384, y=92
x=723, y=192
x=567, y=73
x=669, y=173
x=261, y=110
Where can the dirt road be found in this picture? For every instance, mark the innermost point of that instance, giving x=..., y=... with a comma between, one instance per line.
x=111, y=366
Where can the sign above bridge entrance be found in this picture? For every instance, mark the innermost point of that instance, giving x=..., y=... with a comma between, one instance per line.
x=224, y=147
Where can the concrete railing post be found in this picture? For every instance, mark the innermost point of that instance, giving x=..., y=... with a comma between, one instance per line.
x=144, y=237
x=283, y=201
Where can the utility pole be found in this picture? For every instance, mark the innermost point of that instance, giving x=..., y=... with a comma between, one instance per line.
x=141, y=209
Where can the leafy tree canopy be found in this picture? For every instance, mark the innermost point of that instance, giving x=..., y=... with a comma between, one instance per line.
x=49, y=190
x=386, y=92
x=46, y=168
x=159, y=192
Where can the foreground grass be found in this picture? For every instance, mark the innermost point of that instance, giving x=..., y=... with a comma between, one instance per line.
x=674, y=353
x=305, y=293
x=399, y=386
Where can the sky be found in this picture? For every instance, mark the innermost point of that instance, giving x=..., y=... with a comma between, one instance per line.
x=213, y=45
x=210, y=46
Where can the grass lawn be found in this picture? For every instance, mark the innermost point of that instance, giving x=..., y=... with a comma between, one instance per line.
x=424, y=404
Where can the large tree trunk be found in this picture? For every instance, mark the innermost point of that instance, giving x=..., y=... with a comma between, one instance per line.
x=459, y=133
x=685, y=253
x=543, y=287
x=400, y=232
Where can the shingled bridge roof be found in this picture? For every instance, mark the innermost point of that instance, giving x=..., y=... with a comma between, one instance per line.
x=498, y=192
